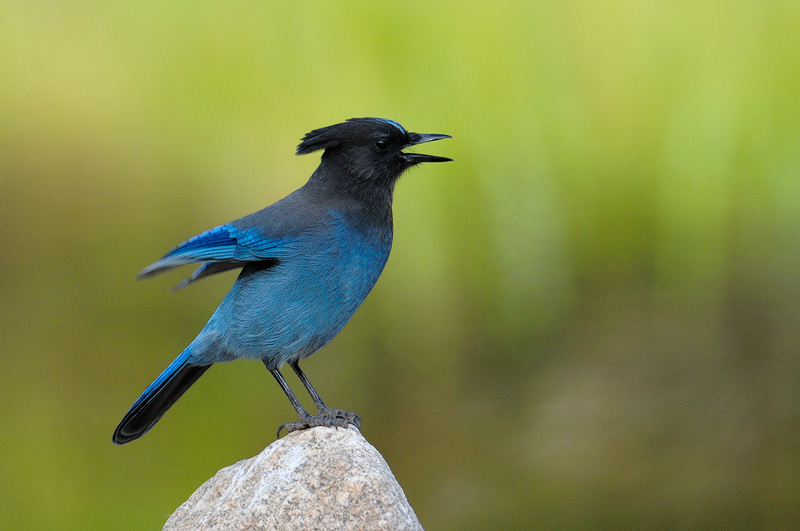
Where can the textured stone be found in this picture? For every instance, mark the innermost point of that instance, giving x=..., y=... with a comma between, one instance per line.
x=319, y=478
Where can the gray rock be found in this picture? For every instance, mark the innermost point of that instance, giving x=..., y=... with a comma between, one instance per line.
x=319, y=478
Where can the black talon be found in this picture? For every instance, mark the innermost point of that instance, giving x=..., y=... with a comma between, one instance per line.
x=326, y=416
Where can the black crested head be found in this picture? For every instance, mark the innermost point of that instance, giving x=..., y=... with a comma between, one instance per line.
x=369, y=149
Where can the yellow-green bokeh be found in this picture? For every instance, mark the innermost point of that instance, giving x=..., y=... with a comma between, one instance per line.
x=590, y=320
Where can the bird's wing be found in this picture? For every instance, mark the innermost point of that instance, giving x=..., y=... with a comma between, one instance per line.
x=220, y=249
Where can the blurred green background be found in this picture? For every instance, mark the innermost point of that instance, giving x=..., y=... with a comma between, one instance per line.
x=590, y=320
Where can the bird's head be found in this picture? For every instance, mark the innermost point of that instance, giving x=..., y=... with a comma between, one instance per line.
x=370, y=149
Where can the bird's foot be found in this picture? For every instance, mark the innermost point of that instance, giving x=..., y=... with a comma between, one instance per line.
x=327, y=416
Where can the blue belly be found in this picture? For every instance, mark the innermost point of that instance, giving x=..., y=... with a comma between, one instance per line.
x=286, y=312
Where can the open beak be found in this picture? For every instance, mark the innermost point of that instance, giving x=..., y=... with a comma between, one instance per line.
x=416, y=158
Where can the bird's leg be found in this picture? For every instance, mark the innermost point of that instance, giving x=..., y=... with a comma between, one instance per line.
x=326, y=416
x=310, y=388
x=301, y=411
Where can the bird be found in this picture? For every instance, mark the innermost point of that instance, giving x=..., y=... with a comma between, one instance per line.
x=307, y=263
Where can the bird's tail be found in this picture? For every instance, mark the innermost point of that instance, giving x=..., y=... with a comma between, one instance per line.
x=158, y=398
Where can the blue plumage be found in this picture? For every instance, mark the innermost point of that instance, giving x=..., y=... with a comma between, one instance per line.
x=225, y=243
x=308, y=261
x=395, y=124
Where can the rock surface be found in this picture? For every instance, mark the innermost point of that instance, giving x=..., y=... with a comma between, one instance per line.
x=319, y=478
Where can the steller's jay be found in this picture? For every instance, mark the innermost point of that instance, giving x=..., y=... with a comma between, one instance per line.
x=308, y=261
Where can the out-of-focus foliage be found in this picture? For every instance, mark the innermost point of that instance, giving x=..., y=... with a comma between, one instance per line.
x=590, y=320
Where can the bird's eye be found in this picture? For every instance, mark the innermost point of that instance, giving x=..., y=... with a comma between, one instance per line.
x=382, y=144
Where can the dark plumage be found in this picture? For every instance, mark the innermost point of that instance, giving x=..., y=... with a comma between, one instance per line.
x=308, y=261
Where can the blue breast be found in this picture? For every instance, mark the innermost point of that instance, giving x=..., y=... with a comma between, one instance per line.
x=286, y=312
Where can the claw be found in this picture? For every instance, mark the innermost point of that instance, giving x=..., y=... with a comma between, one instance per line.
x=336, y=418
x=280, y=428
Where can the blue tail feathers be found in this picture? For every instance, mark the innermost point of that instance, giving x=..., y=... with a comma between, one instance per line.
x=158, y=398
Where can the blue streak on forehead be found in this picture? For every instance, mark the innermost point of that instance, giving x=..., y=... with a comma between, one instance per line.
x=392, y=122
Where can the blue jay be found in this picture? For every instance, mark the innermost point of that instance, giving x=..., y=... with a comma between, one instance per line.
x=308, y=261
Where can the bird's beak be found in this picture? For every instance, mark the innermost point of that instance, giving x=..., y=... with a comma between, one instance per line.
x=416, y=158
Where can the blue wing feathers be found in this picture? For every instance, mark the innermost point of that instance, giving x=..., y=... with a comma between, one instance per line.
x=218, y=240
x=224, y=244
